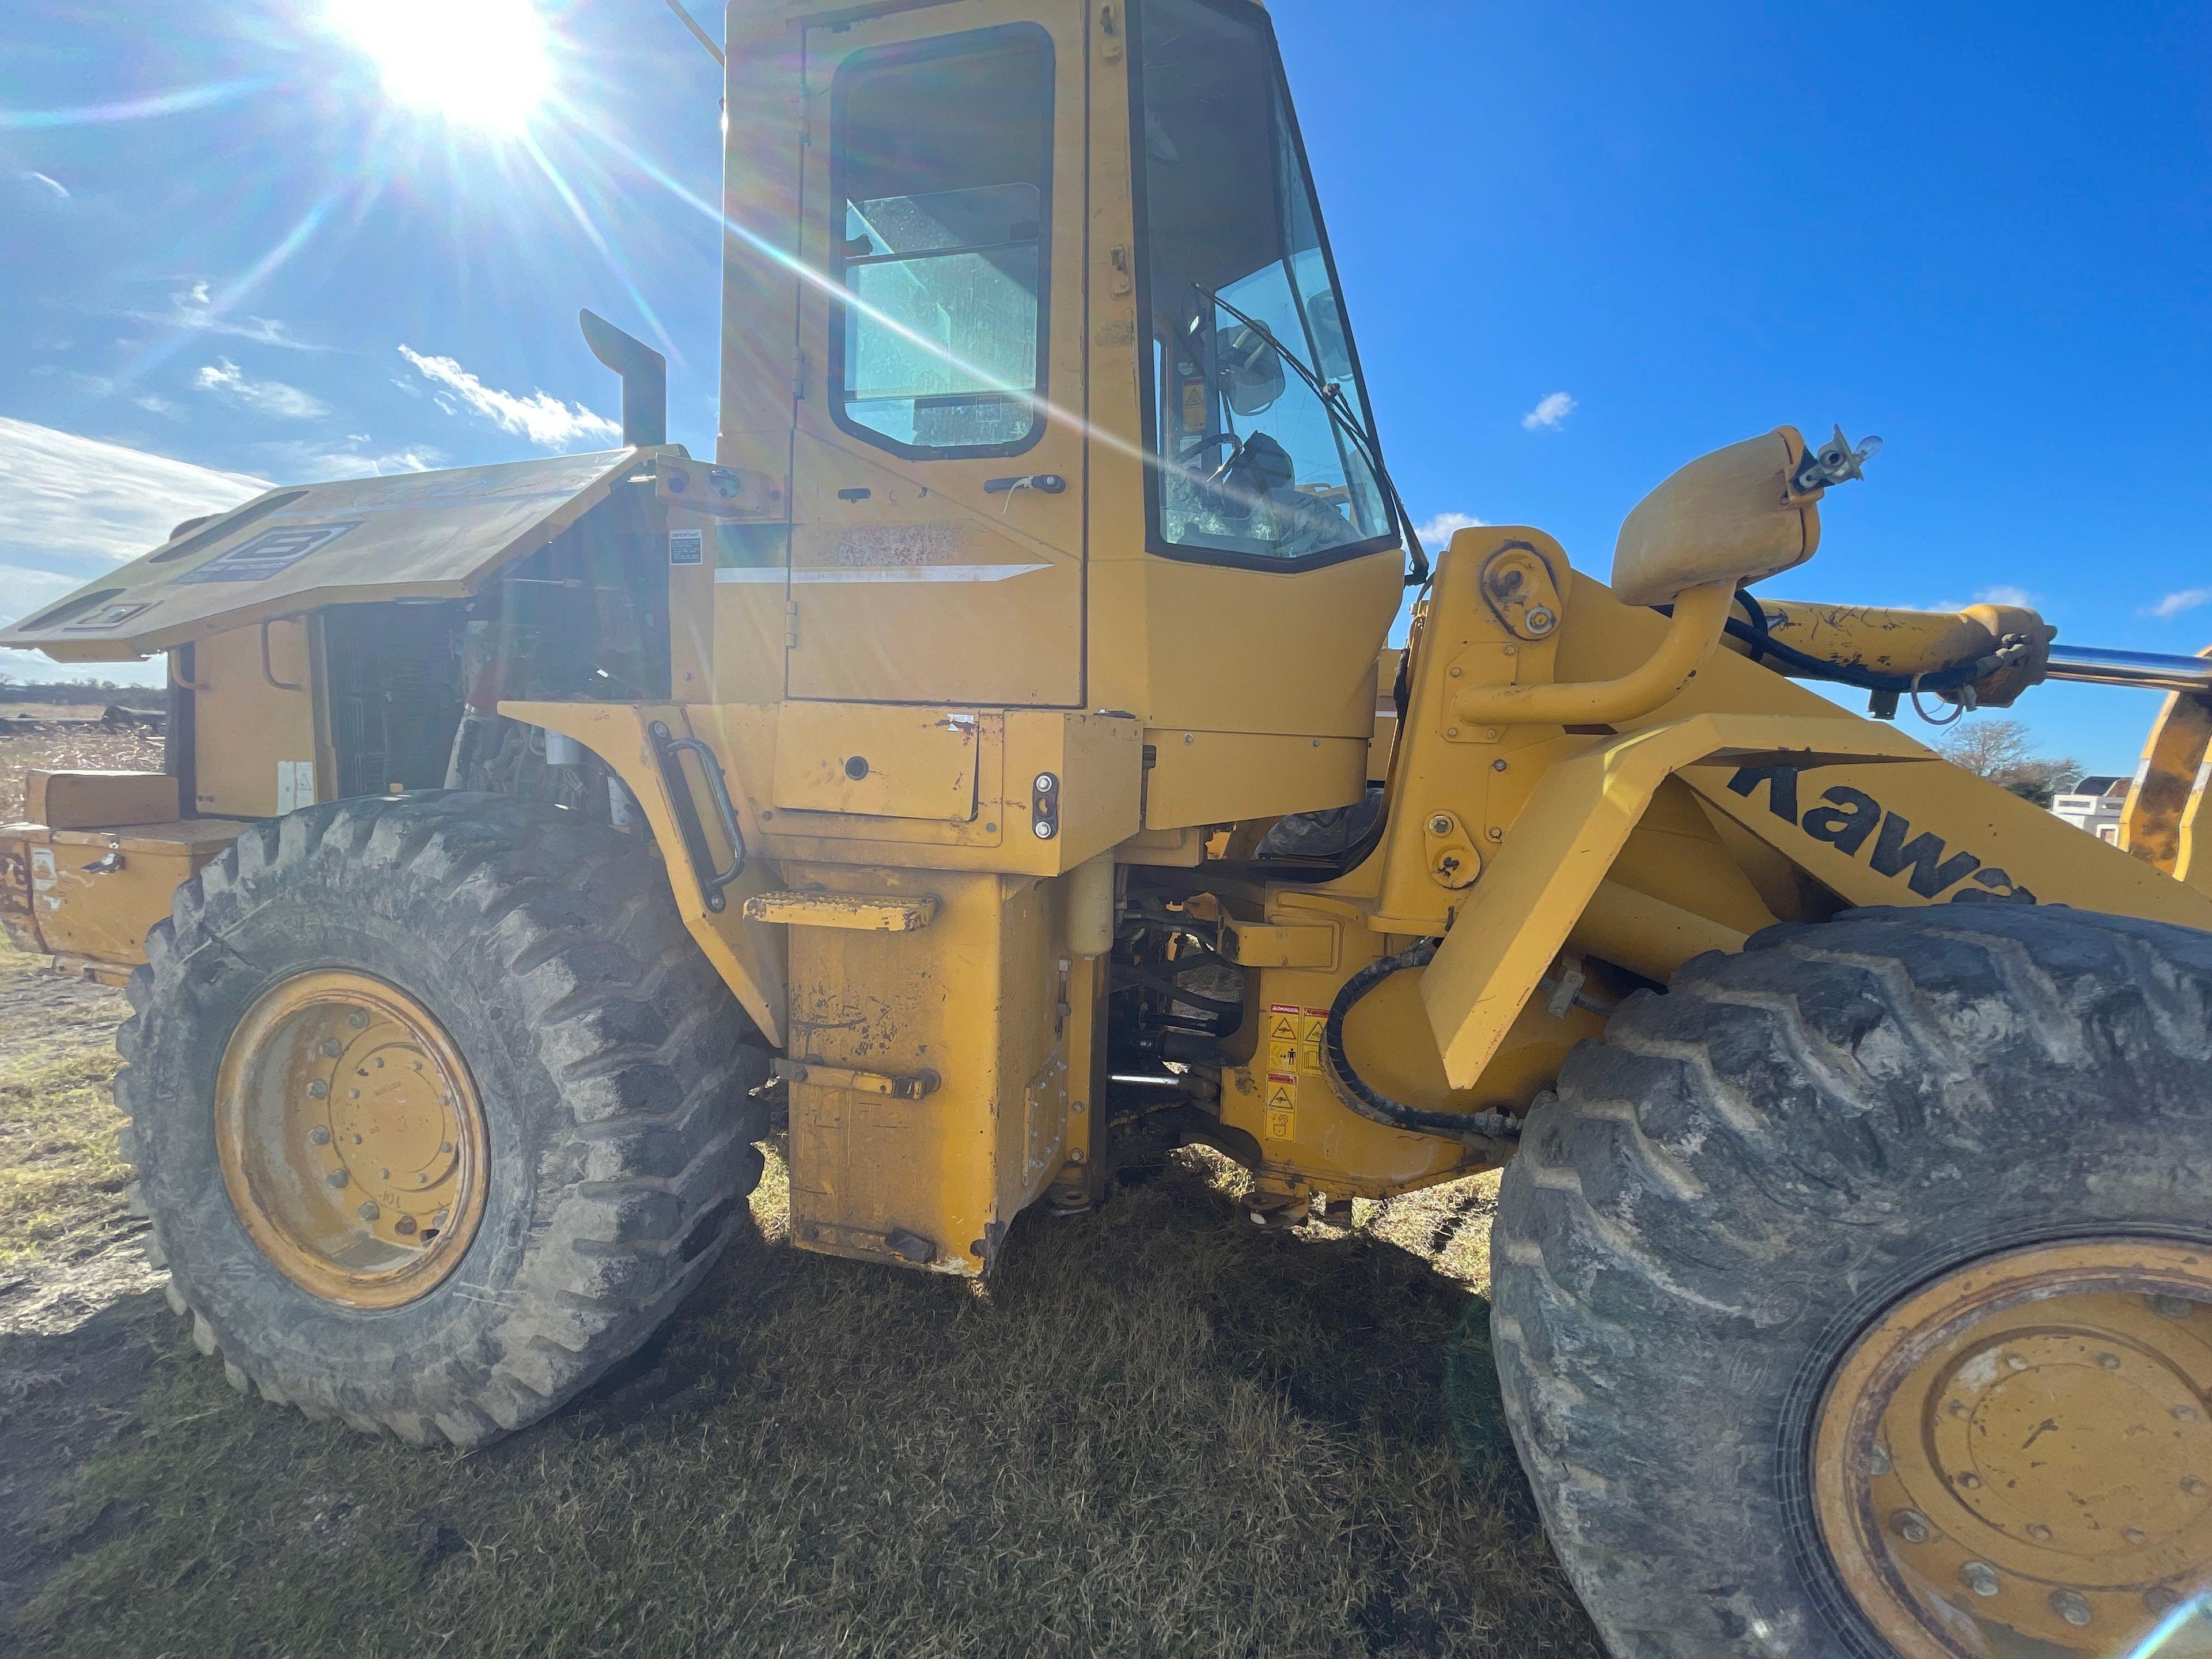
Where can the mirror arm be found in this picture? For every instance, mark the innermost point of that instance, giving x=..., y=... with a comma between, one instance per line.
x=1691, y=633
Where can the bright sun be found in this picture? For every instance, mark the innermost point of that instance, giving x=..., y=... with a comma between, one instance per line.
x=478, y=63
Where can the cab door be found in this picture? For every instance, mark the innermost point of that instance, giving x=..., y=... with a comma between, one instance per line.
x=937, y=542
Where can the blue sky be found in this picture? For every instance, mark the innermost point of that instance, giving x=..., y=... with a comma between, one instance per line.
x=1580, y=245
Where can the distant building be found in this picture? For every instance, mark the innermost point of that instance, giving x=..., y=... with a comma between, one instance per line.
x=2095, y=804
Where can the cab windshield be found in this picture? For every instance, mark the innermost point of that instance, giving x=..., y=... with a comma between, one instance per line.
x=1252, y=464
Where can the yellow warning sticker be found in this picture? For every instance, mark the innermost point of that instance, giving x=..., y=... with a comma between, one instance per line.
x=1282, y=1123
x=1313, y=1028
x=1310, y=1057
x=1282, y=1057
x=1282, y=1028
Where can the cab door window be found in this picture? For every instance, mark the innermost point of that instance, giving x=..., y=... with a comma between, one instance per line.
x=943, y=199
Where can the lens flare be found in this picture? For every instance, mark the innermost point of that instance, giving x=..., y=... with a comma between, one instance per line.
x=485, y=63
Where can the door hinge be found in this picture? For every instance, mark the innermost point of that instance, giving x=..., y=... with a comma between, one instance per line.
x=1110, y=27
x=791, y=625
x=799, y=378
x=1118, y=257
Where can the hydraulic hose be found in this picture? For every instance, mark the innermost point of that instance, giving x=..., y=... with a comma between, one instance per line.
x=1471, y=1128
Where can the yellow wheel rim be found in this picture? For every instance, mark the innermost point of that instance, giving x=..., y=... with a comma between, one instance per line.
x=352, y=1138
x=2018, y=1458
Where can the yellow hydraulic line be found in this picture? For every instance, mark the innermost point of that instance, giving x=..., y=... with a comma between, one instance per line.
x=1699, y=614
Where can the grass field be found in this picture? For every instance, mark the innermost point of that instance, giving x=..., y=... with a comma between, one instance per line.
x=1161, y=1431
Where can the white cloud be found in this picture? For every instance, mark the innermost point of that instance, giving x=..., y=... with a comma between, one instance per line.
x=1550, y=412
x=1435, y=532
x=72, y=507
x=2005, y=594
x=154, y=403
x=318, y=463
x=286, y=403
x=60, y=190
x=193, y=308
x=541, y=417
x=2173, y=605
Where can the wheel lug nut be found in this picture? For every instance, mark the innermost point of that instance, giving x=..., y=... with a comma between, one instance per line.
x=318, y=1136
x=2013, y=1361
x=1878, y=1462
x=2111, y=1362
x=318, y=1089
x=2070, y=1606
x=337, y=1177
x=404, y=1226
x=1970, y=1481
x=1956, y=1407
x=1980, y=1577
x=358, y=1019
x=2158, y=1600
x=2038, y=1532
x=1911, y=1525
x=369, y=1212
x=2133, y=1534
x=2172, y=1307
x=331, y=1048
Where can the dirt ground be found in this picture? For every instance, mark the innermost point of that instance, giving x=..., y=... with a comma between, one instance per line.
x=1161, y=1431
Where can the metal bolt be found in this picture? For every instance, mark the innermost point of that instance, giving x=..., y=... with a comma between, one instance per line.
x=369, y=1212
x=1878, y=1460
x=331, y=1048
x=1190, y=737
x=337, y=1177
x=2172, y=1307
x=2158, y=1600
x=358, y=1019
x=1497, y=765
x=2070, y=1608
x=387, y=1174
x=1980, y=1577
x=1911, y=1525
x=1495, y=833
x=2013, y=1361
x=318, y=1089
x=2185, y=1413
x=2038, y=1531
x=1454, y=673
x=1510, y=651
x=446, y=1146
x=2111, y=1362
x=1440, y=825
x=1451, y=731
x=2192, y=1485
x=352, y=1094
x=2134, y=1535
x=1956, y=1407
x=318, y=1136
x=1540, y=621
x=404, y=1226
x=1970, y=1481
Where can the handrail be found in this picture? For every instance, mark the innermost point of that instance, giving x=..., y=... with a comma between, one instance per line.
x=268, y=667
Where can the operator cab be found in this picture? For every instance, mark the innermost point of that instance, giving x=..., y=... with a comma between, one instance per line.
x=1249, y=345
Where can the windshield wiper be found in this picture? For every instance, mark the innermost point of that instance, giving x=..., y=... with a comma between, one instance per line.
x=1333, y=399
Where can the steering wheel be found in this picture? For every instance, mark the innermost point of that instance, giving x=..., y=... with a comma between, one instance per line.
x=1193, y=450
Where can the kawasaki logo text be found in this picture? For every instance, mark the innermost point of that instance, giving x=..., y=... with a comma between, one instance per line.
x=1852, y=821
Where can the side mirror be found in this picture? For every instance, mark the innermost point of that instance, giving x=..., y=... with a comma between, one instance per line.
x=1733, y=516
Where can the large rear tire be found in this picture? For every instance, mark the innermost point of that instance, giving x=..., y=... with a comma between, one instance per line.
x=1854, y=1298
x=437, y=1110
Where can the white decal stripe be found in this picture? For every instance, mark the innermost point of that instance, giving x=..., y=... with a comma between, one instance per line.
x=879, y=573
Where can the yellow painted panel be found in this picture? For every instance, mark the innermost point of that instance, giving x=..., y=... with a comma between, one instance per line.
x=875, y=762
x=255, y=748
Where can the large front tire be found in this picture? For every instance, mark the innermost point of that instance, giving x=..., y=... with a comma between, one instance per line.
x=437, y=1110
x=1854, y=1298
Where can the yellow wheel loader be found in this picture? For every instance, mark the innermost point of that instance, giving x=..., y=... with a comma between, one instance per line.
x=990, y=761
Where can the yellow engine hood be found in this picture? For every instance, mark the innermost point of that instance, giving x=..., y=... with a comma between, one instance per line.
x=418, y=535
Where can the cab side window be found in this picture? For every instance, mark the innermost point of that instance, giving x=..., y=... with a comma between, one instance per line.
x=942, y=169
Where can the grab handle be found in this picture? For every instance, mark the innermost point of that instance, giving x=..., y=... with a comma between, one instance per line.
x=669, y=749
